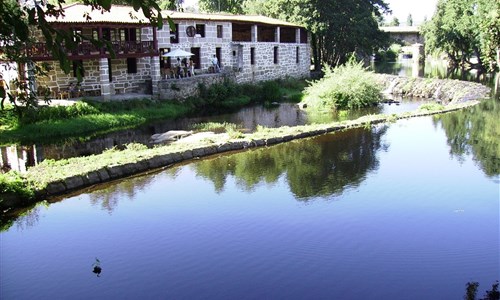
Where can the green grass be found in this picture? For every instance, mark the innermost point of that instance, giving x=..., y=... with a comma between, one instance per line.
x=52, y=125
x=432, y=106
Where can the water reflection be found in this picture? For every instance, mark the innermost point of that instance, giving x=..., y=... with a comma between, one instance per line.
x=475, y=131
x=287, y=114
x=322, y=166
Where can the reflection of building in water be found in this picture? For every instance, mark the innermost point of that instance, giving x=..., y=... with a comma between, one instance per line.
x=18, y=158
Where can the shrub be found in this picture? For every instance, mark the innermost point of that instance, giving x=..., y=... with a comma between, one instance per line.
x=12, y=182
x=345, y=87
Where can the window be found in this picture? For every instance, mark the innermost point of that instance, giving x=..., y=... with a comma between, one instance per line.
x=200, y=29
x=288, y=35
x=303, y=36
x=77, y=33
x=252, y=56
x=95, y=34
x=219, y=31
x=78, y=68
x=131, y=65
x=276, y=55
x=297, y=55
x=174, y=35
x=109, y=34
x=110, y=70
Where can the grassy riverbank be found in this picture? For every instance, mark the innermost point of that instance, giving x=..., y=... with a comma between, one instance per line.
x=87, y=119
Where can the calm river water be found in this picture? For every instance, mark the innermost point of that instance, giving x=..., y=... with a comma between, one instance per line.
x=408, y=210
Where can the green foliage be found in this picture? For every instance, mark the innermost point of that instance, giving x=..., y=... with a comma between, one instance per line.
x=109, y=116
x=475, y=131
x=463, y=30
x=228, y=6
x=229, y=95
x=431, y=106
x=394, y=22
x=135, y=146
x=214, y=126
x=13, y=183
x=345, y=87
x=52, y=113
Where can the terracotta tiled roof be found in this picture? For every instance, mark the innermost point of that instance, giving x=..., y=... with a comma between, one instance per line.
x=77, y=13
x=175, y=15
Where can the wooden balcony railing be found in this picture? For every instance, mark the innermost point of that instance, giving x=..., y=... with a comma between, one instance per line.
x=39, y=51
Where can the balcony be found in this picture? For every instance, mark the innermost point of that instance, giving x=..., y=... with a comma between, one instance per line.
x=86, y=50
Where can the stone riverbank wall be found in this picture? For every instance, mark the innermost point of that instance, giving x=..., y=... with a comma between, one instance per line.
x=457, y=93
x=447, y=91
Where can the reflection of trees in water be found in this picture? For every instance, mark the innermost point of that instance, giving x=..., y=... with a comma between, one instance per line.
x=23, y=218
x=475, y=131
x=108, y=196
x=321, y=166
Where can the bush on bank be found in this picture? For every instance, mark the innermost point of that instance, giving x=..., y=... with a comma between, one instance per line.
x=346, y=87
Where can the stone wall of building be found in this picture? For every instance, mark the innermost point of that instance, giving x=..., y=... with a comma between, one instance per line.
x=187, y=87
x=122, y=81
x=265, y=68
x=236, y=56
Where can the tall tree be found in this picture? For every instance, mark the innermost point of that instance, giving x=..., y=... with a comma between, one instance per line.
x=394, y=22
x=467, y=31
x=409, y=20
x=230, y=6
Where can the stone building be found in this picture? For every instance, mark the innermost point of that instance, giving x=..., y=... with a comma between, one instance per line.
x=248, y=49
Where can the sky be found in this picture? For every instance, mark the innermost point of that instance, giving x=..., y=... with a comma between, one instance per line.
x=419, y=9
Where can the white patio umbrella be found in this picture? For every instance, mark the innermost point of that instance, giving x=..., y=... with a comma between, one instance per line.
x=179, y=53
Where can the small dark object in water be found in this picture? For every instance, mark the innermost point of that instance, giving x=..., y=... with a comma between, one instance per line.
x=97, y=267
x=390, y=101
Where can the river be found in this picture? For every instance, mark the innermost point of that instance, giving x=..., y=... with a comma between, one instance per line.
x=408, y=210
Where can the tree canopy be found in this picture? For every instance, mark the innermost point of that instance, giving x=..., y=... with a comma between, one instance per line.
x=467, y=31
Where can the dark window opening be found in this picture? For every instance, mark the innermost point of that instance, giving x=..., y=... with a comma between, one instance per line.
x=200, y=29
x=287, y=35
x=275, y=55
x=252, y=56
x=297, y=52
x=266, y=34
x=110, y=70
x=218, y=54
x=303, y=36
x=174, y=35
x=131, y=65
x=196, y=57
x=241, y=32
x=219, y=31
x=78, y=68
